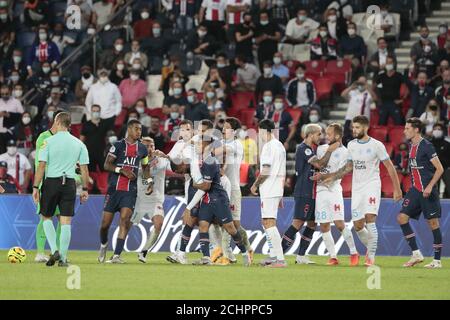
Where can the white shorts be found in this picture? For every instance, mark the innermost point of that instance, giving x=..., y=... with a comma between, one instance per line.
x=366, y=201
x=329, y=206
x=270, y=206
x=235, y=204
x=150, y=210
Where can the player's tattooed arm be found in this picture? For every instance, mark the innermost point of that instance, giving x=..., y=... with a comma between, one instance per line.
x=323, y=162
x=264, y=174
x=330, y=177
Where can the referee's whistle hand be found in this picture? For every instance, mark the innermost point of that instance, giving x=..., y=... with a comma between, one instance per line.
x=84, y=196
x=35, y=196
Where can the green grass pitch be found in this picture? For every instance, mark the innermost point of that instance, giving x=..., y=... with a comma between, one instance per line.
x=159, y=279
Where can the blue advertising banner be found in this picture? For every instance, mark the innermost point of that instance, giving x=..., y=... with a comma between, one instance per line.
x=18, y=222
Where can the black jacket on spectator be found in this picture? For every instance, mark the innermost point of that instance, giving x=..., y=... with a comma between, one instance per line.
x=440, y=95
x=442, y=147
x=156, y=47
x=419, y=98
x=194, y=41
x=266, y=48
x=273, y=84
x=292, y=92
x=355, y=46
x=196, y=112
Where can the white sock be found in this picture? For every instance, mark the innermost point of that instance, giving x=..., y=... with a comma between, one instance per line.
x=372, y=240
x=103, y=245
x=215, y=235
x=348, y=237
x=329, y=243
x=151, y=239
x=363, y=235
x=275, y=240
x=270, y=245
x=226, y=239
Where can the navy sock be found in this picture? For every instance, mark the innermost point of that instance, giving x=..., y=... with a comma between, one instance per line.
x=204, y=243
x=437, y=243
x=119, y=246
x=306, y=240
x=288, y=238
x=410, y=236
x=237, y=238
x=185, y=237
x=104, y=235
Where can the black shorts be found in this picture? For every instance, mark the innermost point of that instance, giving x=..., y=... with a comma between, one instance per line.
x=216, y=210
x=305, y=209
x=414, y=204
x=116, y=200
x=54, y=194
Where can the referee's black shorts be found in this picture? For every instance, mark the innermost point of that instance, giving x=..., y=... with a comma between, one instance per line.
x=54, y=193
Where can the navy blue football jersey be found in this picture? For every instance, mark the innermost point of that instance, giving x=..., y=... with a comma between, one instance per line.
x=304, y=186
x=422, y=170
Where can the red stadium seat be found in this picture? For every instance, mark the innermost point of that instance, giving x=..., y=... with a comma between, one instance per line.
x=374, y=117
x=339, y=80
x=157, y=112
x=312, y=76
x=247, y=117
x=292, y=66
x=102, y=181
x=346, y=184
x=383, y=171
x=324, y=88
x=315, y=67
x=243, y=172
x=396, y=136
x=295, y=113
x=75, y=129
x=333, y=66
x=379, y=132
x=241, y=100
x=389, y=149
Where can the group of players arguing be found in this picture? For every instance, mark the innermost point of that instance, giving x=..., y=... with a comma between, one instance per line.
x=211, y=165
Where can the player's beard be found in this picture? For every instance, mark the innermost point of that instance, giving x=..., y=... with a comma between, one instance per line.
x=359, y=136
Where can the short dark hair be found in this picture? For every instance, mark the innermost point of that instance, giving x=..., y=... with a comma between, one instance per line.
x=64, y=119
x=301, y=66
x=337, y=127
x=186, y=121
x=416, y=123
x=208, y=123
x=267, y=124
x=193, y=90
x=132, y=122
x=362, y=120
x=381, y=38
x=96, y=106
x=234, y=123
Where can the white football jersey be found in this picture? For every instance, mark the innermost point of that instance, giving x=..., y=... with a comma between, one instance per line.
x=338, y=159
x=366, y=157
x=233, y=159
x=158, y=167
x=226, y=184
x=274, y=154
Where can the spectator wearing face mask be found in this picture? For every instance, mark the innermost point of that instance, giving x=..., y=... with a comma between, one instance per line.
x=47, y=119
x=401, y=159
x=360, y=97
x=110, y=56
x=105, y=94
x=132, y=89
x=419, y=47
x=55, y=100
x=10, y=113
x=247, y=74
x=93, y=135
x=84, y=84
x=176, y=96
x=313, y=116
x=62, y=83
x=174, y=76
x=212, y=102
x=6, y=181
x=265, y=107
x=111, y=138
x=323, y=47
x=427, y=60
x=119, y=72
x=141, y=108
x=298, y=29
x=41, y=83
x=268, y=81
x=444, y=34
x=35, y=12
x=343, y=8
x=212, y=14
x=442, y=147
x=430, y=117
x=42, y=50
x=283, y=122
x=337, y=26
x=215, y=80
x=267, y=37
x=18, y=91
x=143, y=27
x=14, y=79
x=136, y=52
x=24, y=133
x=19, y=166
x=438, y=79
x=279, y=69
x=421, y=94
x=377, y=61
x=195, y=110
x=244, y=35
x=301, y=92
x=7, y=33
x=15, y=63
x=352, y=45
x=202, y=42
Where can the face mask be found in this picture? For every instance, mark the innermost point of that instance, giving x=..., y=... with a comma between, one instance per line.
x=156, y=32
x=118, y=47
x=276, y=60
x=314, y=118
x=174, y=115
x=201, y=34
x=134, y=77
x=332, y=18
x=424, y=36
x=427, y=49
x=54, y=79
x=433, y=107
x=389, y=67
x=112, y=139
x=18, y=93
x=145, y=15
x=351, y=32
x=3, y=16
x=442, y=30
x=267, y=72
x=264, y=23
x=95, y=115
x=242, y=134
x=210, y=95
x=42, y=36
x=190, y=99
x=221, y=65
x=46, y=70
x=120, y=67
x=11, y=150
x=136, y=66
x=17, y=59
x=267, y=99
x=86, y=75
x=278, y=105
x=361, y=88
x=14, y=78
x=50, y=114
x=438, y=134
x=323, y=34
x=26, y=120
x=103, y=79
x=302, y=18
x=141, y=110
x=300, y=76
x=177, y=91
x=90, y=31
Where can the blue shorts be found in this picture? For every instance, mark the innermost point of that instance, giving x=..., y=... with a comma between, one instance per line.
x=117, y=200
x=305, y=209
x=414, y=204
x=217, y=209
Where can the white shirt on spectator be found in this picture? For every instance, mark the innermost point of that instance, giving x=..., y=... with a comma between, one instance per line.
x=215, y=9
x=431, y=120
x=332, y=29
x=24, y=164
x=11, y=105
x=107, y=96
x=297, y=31
x=302, y=94
x=355, y=104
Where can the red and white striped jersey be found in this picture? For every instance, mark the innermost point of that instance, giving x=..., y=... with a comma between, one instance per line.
x=215, y=9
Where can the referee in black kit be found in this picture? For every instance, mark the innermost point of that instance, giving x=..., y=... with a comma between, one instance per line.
x=58, y=158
